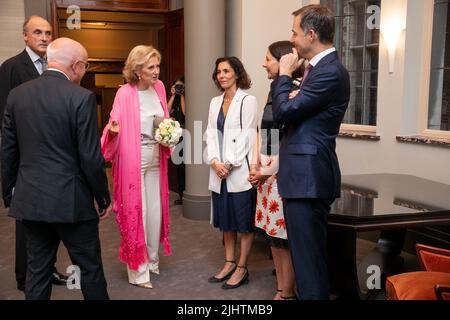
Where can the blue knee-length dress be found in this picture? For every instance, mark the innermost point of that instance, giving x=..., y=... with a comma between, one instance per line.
x=232, y=211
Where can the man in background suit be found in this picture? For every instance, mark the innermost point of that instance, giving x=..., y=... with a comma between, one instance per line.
x=52, y=170
x=27, y=65
x=309, y=175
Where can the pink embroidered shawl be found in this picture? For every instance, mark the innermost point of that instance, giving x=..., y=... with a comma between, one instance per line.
x=124, y=151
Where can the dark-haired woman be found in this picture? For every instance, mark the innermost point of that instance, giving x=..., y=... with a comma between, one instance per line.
x=230, y=137
x=269, y=217
x=177, y=110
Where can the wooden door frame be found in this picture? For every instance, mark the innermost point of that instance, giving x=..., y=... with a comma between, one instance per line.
x=170, y=74
x=124, y=6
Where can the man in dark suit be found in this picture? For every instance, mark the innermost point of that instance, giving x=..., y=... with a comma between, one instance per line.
x=27, y=65
x=52, y=170
x=309, y=175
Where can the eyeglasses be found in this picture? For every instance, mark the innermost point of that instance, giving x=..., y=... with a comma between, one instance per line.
x=86, y=64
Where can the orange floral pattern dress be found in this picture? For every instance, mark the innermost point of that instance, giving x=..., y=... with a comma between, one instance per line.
x=269, y=206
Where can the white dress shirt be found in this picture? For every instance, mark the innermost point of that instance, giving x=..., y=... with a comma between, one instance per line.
x=54, y=69
x=314, y=61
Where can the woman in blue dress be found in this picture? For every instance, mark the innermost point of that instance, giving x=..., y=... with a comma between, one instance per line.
x=230, y=137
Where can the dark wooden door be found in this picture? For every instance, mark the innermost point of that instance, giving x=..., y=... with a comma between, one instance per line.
x=174, y=46
x=174, y=54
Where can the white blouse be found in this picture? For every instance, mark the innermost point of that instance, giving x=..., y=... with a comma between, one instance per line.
x=150, y=106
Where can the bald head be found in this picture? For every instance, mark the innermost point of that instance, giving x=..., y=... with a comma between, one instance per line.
x=37, y=34
x=65, y=51
x=68, y=56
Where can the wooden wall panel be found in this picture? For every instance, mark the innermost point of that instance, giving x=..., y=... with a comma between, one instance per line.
x=174, y=45
x=118, y=5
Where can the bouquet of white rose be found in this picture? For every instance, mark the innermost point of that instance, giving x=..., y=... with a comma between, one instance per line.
x=168, y=133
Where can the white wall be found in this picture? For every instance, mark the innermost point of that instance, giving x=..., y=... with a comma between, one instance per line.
x=12, y=17
x=402, y=96
x=252, y=25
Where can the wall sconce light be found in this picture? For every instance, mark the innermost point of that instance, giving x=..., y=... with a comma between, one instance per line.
x=391, y=29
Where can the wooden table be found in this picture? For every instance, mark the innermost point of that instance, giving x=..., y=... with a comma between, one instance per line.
x=389, y=203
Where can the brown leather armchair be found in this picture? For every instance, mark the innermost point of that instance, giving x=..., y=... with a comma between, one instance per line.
x=430, y=284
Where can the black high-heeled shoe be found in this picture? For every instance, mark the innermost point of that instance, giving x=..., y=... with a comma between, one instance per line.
x=214, y=279
x=245, y=279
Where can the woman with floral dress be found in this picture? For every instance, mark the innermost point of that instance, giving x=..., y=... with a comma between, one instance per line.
x=269, y=217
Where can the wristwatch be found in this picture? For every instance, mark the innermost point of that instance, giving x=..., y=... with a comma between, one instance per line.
x=228, y=165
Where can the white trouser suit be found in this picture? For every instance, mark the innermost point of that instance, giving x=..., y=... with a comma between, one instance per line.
x=150, y=106
x=151, y=212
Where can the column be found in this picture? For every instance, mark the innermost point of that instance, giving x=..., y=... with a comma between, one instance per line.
x=176, y=4
x=204, y=43
x=38, y=7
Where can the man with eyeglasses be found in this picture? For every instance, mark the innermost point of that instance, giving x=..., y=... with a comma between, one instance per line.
x=51, y=156
x=86, y=64
x=27, y=65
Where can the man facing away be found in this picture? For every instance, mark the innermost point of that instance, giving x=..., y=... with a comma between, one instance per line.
x=309, y=175
x=26, y=66
x=52, y=170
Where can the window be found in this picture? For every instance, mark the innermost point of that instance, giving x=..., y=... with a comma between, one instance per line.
x=358, y=49
x=438, y=105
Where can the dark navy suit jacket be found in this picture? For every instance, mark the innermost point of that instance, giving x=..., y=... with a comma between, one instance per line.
x=13, y=72
x=309, y=166
x=50, y=152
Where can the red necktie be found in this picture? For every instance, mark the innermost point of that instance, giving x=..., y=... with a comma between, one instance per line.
x=307, y=71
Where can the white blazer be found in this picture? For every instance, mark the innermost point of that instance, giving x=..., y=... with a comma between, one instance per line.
x=237, y=142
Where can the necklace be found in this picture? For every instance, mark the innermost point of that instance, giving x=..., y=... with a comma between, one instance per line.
x=227, y=99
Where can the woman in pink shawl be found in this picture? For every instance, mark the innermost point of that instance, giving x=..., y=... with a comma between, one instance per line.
x=139, y=165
